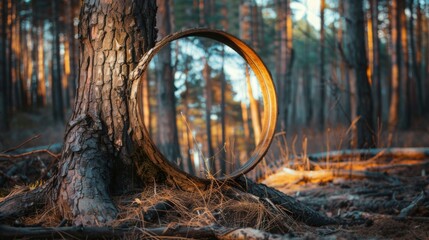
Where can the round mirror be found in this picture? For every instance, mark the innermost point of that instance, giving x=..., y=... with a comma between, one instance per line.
x=206, y=110
x=202, y=106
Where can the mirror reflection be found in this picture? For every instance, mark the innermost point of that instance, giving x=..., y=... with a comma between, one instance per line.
x=202, y=106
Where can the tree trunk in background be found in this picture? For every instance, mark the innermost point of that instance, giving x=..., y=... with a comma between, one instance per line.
x=376, y=76
x=395, y=74
x=356, y=48
x=56, y=88
x=284, y=50
x=322, y=66
x=4, y=118
x=99, y=157
x=24, y=74
x=426, y=84
x=166, y=103
x=344, y=69
x=404, y=93
x=308, y=83
x=416, y=87
x=41, y=87
x=34, y=83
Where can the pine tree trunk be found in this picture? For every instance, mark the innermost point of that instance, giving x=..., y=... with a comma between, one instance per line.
x=376, y=77
x=415, y=60
x=4, y=119
x=356, y=48
x=404, y=93
x=395, y=74
x=322, y=66
x=98, y=151
x=57, y=90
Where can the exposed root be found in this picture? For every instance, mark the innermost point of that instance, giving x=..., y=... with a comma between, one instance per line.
x=297, y=210
x=22, y=202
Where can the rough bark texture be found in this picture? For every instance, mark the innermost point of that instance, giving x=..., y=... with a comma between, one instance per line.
x=98, y=148
x=296, y=209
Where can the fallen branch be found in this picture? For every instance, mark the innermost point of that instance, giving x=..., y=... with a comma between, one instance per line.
x=289, y=176
x=55, y=148
x=22, y=144
x=412, y=153
x=342, y=155
x=81, y=232
x=410, y=209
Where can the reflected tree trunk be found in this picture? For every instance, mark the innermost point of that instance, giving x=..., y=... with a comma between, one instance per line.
x=209, y=161
x=254, y=109
x=188, y=135
x=222, y=114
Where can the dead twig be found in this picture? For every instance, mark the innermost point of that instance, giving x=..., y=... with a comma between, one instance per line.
x=16, y=156
x=410, y=209
x=22, y=144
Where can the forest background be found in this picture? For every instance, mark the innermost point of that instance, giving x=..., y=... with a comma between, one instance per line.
x=304, y=43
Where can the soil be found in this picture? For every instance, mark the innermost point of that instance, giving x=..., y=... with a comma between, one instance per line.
x=370, y=207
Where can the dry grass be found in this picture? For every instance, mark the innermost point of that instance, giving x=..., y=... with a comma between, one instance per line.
x=213, y=206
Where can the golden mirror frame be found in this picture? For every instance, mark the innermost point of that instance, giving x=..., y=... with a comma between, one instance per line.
x=264, y=79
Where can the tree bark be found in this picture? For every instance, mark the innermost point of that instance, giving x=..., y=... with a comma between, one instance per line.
x=404, y=85
x=395, y=75
x=98, y=150
x=4, y=122
x=415, y=60
x=57, y=90
x=376, y=73
x=356, y=48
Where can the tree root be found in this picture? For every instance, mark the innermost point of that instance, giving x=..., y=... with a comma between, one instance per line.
x=23, y=203
x=297, y=210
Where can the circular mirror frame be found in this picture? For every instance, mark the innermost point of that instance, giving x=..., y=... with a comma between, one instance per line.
x=264, y=79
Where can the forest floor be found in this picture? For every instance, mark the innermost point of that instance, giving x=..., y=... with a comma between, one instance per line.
x=379, y=198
